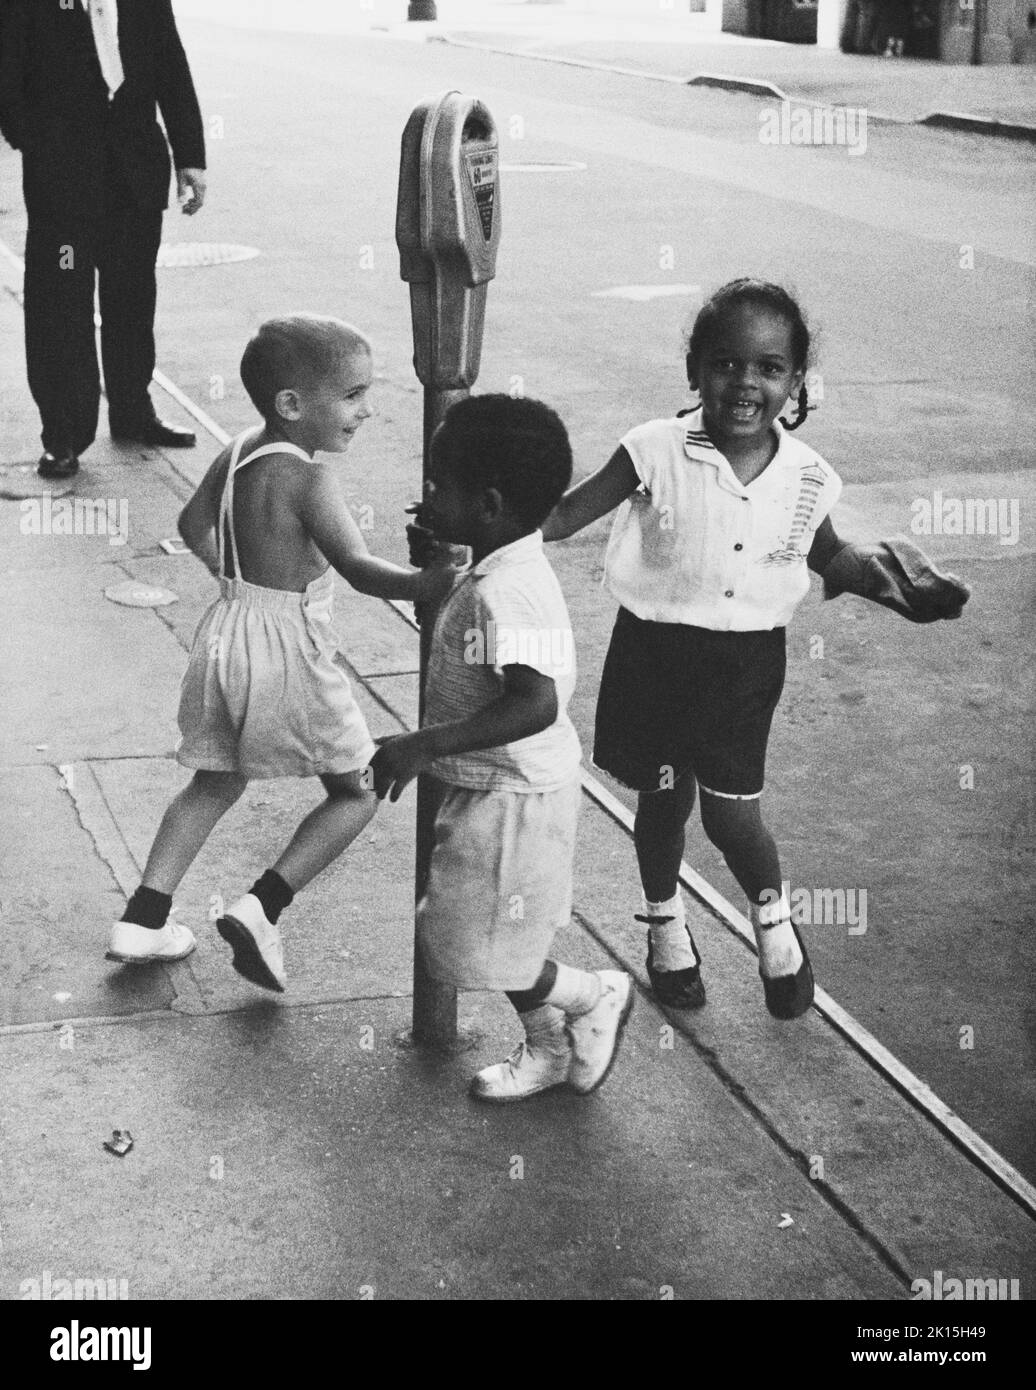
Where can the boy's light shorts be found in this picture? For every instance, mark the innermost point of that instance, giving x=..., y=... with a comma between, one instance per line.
x=499, y=885
x=263, y=694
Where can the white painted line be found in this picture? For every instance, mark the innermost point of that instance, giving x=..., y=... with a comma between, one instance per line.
x=206, y=421
x=567, y=166
x=642, y=293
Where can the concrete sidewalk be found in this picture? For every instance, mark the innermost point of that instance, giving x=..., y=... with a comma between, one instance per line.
x=298, y=1146
x=998, y=99
x=670, y=44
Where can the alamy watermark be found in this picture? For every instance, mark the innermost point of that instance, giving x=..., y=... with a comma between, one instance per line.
x=824, y=907
x=76, y=516
x=814, y=125
x=966, y=516
x=47, y=1288
x=501, y=645
x=949, y=1290
x=81, y=1343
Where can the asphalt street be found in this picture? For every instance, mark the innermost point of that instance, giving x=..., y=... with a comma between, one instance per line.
x=623, y=201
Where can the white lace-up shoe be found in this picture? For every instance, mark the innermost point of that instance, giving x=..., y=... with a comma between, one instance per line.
x=595, y=1036
x=136, y=945
x=527, y=1071
x=256, y=943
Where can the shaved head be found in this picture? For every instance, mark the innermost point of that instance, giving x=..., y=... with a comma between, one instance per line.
x=297, y=352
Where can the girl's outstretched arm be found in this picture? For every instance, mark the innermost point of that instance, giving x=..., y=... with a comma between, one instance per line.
x=594, y=497
x=894, y=573
x=826, y=545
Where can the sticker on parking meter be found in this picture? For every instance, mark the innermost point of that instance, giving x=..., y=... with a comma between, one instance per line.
x=482, y=173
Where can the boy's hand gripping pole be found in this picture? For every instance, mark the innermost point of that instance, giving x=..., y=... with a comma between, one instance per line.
x=447, y=231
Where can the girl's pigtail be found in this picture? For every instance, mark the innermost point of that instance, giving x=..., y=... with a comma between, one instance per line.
x=802, y=410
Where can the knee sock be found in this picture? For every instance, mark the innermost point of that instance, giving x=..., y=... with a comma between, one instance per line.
x=779, y=952
x=671, y=947
x=148, y=908
x=273, y=893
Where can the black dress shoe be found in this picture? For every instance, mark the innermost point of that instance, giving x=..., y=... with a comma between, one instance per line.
x=64, y=465
x=153, y=431
x=789, y=996
x=674, y=989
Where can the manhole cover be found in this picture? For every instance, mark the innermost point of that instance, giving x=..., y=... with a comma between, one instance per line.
x=136, y=595
x=562, y=166
x=21, y=481
x=186, y=255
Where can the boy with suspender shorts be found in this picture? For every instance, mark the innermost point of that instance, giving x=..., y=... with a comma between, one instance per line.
x=263, y=695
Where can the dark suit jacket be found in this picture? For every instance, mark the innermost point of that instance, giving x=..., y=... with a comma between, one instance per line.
x=54, y=104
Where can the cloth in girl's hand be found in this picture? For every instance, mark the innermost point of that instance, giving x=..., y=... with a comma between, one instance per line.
x=898, y=575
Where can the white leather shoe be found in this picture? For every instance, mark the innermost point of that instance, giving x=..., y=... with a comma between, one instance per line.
x=256, y=943
x=135, y=945
x=527, y=1071
x=595, y=1036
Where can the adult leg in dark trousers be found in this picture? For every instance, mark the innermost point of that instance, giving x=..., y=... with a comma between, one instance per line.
x=60, y=350
x=127, y=292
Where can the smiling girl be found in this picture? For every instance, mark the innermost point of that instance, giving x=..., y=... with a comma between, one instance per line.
x=722, y=516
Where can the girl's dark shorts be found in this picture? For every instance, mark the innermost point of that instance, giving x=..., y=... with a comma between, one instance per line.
x=688, y=699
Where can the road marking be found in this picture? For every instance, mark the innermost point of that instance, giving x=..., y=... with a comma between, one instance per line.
x=642, y=293
x=188, y=255
x=912, y=1087
x=560, y=166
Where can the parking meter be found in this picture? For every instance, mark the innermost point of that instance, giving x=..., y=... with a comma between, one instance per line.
x=448, y=231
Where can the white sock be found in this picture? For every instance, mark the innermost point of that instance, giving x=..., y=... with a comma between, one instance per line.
x=779, y=952
x=574, y=991
x=545, y=1028
x=670, y=942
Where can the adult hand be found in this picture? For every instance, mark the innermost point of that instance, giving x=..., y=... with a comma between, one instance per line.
x=190, y=190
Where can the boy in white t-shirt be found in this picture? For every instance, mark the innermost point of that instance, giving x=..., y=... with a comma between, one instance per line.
x=497, y=738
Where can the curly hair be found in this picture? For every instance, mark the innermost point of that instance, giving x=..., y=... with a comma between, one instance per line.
x=519, y=446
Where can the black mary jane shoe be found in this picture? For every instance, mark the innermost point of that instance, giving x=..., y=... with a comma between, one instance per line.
x=152, y=431
x=675, y=989
x=790, y=996
x=64, y=465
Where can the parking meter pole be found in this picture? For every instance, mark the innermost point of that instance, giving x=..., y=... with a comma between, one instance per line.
x=435, y=1004
x=447, y=231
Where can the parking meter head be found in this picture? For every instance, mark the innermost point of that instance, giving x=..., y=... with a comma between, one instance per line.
x=448, y=231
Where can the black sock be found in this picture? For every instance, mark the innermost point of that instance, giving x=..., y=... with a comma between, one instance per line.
x=148, y=908
x=273, y=893
x=525, y=1000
